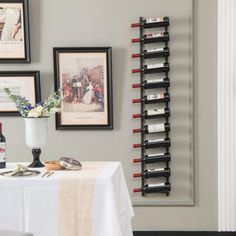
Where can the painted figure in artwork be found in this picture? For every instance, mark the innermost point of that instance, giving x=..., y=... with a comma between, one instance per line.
x=87, y=98
x=10, y=20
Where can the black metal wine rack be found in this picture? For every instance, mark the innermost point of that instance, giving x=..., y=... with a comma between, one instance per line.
x=165, y=40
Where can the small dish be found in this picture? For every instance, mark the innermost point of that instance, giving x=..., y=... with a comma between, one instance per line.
x=53, y=165
x=70, y=163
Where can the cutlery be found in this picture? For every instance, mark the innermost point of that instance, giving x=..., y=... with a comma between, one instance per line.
x=50, y=174
x=46, y=173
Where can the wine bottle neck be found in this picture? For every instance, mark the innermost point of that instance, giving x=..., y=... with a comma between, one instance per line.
x=136, y=100
x=137, y=160
x=137, y=175
x=0, y=128
x=133, y=25
x=136, y=116
x=137, y=190
x=136, y=70
x=137, y=130
x=135, y=55
x=136, y=40
x=138, y=145
x=136, y=85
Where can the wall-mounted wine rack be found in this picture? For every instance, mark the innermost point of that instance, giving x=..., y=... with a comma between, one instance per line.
x=156, y=114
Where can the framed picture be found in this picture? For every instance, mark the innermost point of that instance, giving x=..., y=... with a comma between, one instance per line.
x=84, y=76
x=24, y=83
x=14, y=31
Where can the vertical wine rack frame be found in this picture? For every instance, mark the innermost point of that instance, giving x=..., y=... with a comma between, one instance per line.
x=142, y=107
x=141, y=33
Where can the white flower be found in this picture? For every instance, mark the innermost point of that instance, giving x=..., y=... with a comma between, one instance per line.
x=54, y=110
x=45, y=113
x=34, y=113
x=39, y=109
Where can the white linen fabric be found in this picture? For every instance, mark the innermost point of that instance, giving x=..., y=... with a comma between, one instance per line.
x=31, y=203
x=14, y=233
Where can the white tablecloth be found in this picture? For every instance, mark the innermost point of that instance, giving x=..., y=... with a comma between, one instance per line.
x=31, y=203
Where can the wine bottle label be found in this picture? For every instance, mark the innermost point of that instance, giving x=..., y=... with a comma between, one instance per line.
x=156, y=112
x=2, y=152
x=156, y=140
x=155, y=66
x=156, y=128
x=156, y=155
x=154, y=20
x=155, y=50
x=156, y=185
x=151, y=81
x=157, y=169
x=155, y=35
x=155, y=96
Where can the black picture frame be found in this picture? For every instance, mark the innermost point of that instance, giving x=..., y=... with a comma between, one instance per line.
x=26, y=57
x=76, y=52
x=35, y=75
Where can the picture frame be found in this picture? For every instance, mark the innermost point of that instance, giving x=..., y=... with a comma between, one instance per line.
x=24, y=83
x=84, y=75
x=14, y=31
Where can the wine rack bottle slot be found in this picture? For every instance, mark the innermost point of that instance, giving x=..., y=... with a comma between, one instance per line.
x=161, y=113
x=153, y=158
x=152, y=38
x=154, y=68
x=153, y=53
x=157, y=128
x=154, y=173
x=153, y=83
x=153, y=114
x=154, y=188
x=153, y=98
x=152, y=22
x=153, y=143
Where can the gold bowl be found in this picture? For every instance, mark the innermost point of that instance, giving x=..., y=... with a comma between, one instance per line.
x=53, y=165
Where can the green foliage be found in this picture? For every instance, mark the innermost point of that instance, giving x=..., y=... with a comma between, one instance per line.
x=50, y=106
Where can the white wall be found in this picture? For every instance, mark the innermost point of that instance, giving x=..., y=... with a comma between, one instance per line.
x=67, y=28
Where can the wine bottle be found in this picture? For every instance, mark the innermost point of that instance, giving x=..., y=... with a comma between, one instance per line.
x=154, y=173
x=155, y=113
x=153, y=98
x=153, y=38
x=153, y=143
x=152, y=22
x=153, y=53
x=156, y=128
x=2, y=149
x=153, y=158
x=155, y=68
x=153, y=83
x=154, y=188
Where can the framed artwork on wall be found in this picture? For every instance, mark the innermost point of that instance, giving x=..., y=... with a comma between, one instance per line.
x=84, y=76
x=14, y=31
x=24, y=83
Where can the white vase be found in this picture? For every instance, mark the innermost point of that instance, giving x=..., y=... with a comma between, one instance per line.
x=36, y=137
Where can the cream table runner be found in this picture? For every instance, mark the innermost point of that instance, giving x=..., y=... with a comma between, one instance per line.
x=76, y=192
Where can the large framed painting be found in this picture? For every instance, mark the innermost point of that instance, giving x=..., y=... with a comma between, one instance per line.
x=84, y=76
x=24, y=83
x=14, y=31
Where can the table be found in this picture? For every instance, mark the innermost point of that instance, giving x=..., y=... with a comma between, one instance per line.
x=31, y=203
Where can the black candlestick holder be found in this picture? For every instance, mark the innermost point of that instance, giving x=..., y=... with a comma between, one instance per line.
x=36, y=161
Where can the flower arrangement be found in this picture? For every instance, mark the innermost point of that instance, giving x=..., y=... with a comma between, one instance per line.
x=42, y=109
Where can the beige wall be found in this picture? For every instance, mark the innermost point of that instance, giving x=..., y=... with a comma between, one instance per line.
x=49, y=14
